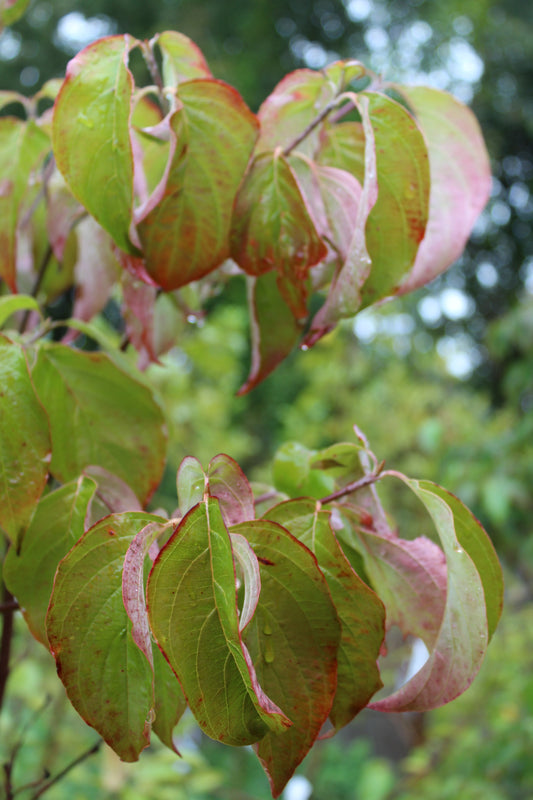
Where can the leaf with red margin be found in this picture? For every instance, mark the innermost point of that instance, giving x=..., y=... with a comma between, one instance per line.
x=294, y=103
x=460, y=179
x=169, y=702
x=293, y=640
x=11, y=11
x=228, y=483
x=24, y=442
x=470, y=602
x=184, y=228
x=94, y=108
x=273, y=229
x=108, y=679
x=100, y=415
x=22, y=148
x=344, y=297
x=361, y=612
x=56, y=526
x=191, y=484
x=274, y=330
x=246, y=561
x=182, y=58
x=192, y=605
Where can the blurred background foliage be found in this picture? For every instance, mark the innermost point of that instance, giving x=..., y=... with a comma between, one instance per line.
x=441, y=382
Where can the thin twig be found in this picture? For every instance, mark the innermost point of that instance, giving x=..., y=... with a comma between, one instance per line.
x=5, y=641
x=43, y=266
x=366, y=480
x=312, y=125
x=52, y=782
x=263, y=498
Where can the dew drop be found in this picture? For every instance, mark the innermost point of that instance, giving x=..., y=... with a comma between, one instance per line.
x=304, y=348
x=267, y=630
x=269, y=653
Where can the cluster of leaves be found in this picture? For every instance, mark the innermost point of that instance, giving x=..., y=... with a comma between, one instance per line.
x=268, y=611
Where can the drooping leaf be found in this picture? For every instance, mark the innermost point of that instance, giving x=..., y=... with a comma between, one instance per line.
x=273, y=230
x=460, y=179
x=184, y=227
x=108, y=679
x=472, y=605
x=295, y=102
x=56, y=526
x=293, y=640
x=361, y=612
x=192, y=606
x=11, y=303
x=23, y=146
x=99, y=415
x=94, y=107
x=274, y=330
x=24, y=443
x=138, y=309
x=182, y=59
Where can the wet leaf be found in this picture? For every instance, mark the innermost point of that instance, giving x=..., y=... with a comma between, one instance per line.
x=182, y=58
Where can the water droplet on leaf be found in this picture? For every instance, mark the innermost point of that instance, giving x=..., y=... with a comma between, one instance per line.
x=269, y=652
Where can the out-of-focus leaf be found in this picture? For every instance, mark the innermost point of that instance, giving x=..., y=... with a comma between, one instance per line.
x=273, y=229
x=138, y=310
x=472, y=605
x=112, y=490
x=96, y=269
x=11, y=11
x=11, y=303
x=295, y=102
x=108, y=679
x=360, y=611
x=293, y=474
x=182, y=59
x=56, y=526
x=24, y=443
x=293, y=640
x=192, y=606
x=99, y=415
x=460, y=179
x=184, y=227
x=93, y=108
x=274, y=330
x=62, y=213
x=23, y=146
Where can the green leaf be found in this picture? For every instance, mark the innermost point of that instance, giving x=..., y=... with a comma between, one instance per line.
x=22, y=148
x=192, y=606
x=223, y=479
x=170, y=702
x=473, y=604
x=274, y=330
x=11, y=303
x=182, y=59
x=273, y=229
x=24, y=443
x=295, y=102
x=293, y=640
x=58, y=523
x=11, y=11
x=184, y=225
x=101, y=416
x=108, y=679
x=460, y=179
x=91, y=134
x=293, y=473
x=361, y=612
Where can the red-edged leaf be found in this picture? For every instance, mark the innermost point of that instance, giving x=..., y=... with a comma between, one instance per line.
x=185, y=235
x=246, y=560
x=191, y=483
x=293, y=639
x=228, y=483
x=344, y=297
x=95, y=271
x=273, y=229
x=100, y=415
x=182, y=59
x=274, y=330
x=460, y=179
x=94, y=107
x=139, y=306
x=108, y=679
x=112, y=490
x=192, y=605
x=293, y=105
x=24, y=442
x=56, y=526
x=11, y=11
x=361, y=612
x=22, y=148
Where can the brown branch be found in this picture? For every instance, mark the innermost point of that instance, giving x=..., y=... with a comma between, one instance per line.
x=52, y=782
x=366, y=480
x=312, y=125
x=5, y=641
x=10, y=605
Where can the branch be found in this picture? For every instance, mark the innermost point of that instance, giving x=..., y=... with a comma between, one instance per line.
x=52, y=782
x=10, y=605
x=366, y=480
x=312, y=125
x=5, y=642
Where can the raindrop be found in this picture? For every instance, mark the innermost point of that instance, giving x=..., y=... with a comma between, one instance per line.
x=267, y=630
x=269, y=653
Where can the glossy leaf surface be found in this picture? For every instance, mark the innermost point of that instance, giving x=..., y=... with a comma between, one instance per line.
x=293, y=640
x=108, y=679
x=192, y=606
x=99, y=415
x=24, y=442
